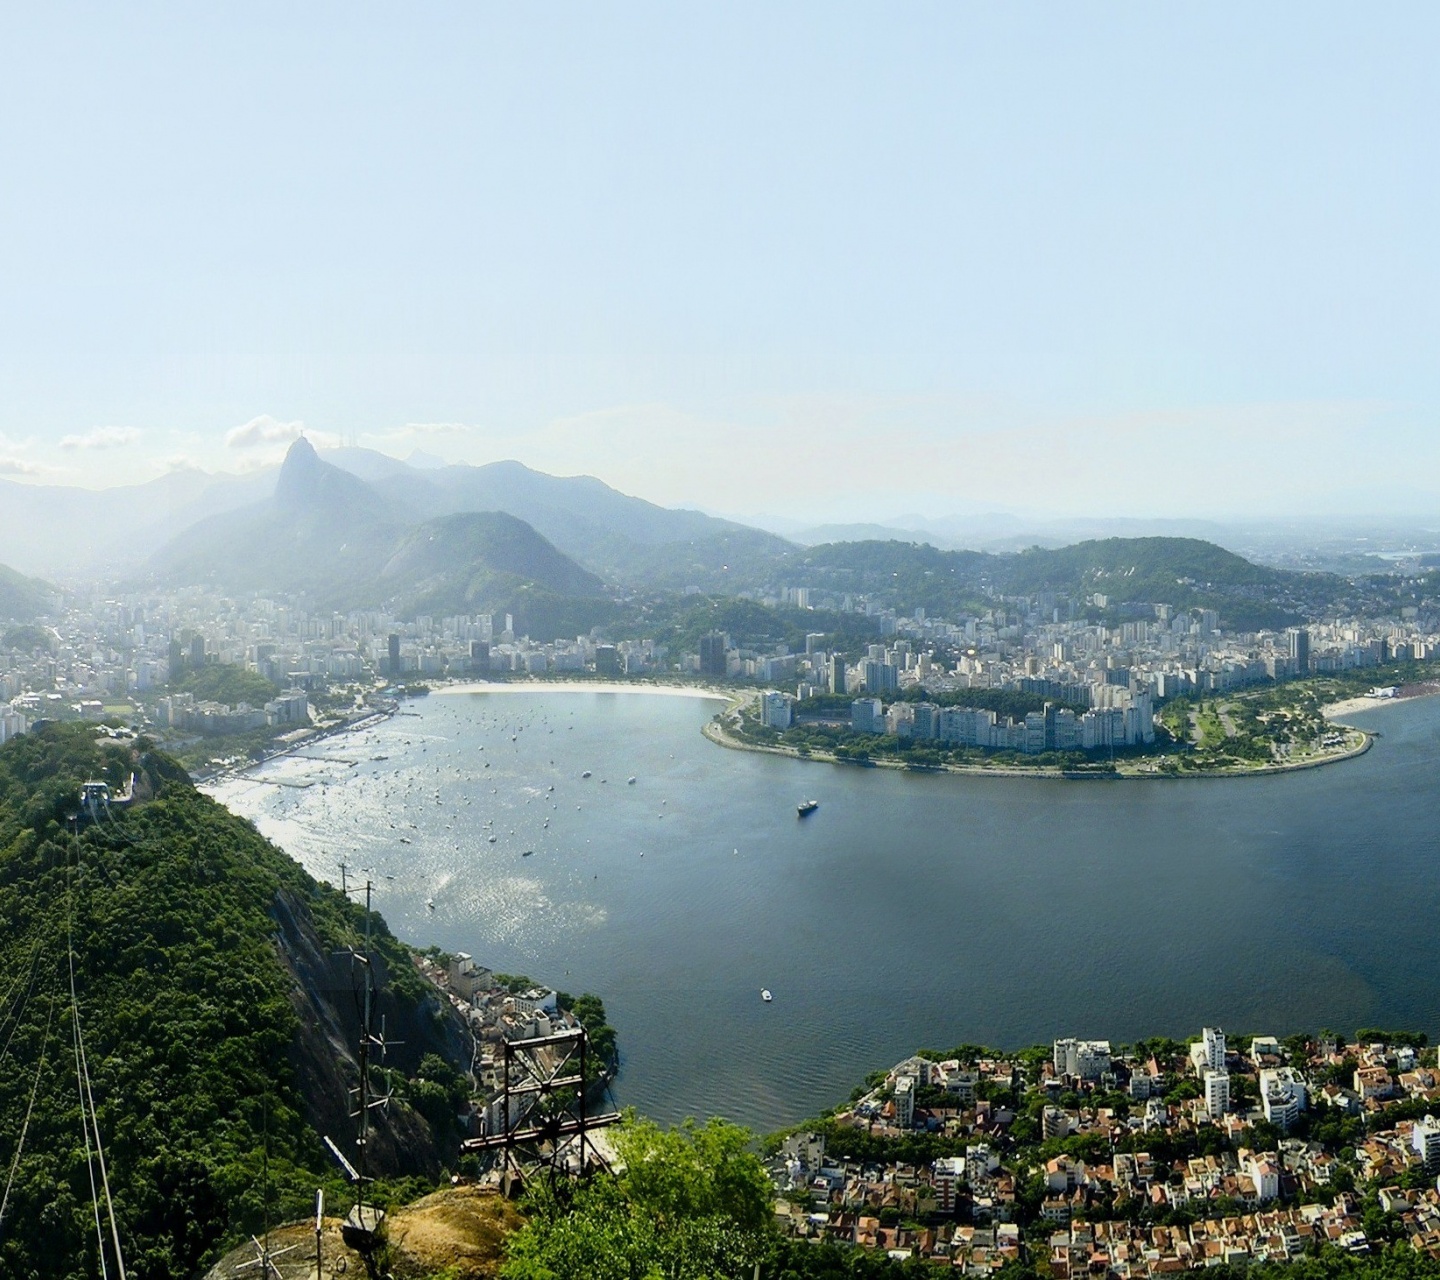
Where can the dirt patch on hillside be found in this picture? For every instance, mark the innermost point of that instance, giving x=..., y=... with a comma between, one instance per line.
x=462, y=1228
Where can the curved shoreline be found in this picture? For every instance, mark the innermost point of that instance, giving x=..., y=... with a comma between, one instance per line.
x=585, y=686
x=714, y=731
x=1352, y=706
x=735, y=698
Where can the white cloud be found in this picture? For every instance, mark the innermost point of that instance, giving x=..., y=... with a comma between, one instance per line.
x=263, y=430
x=102, y=438
x=21, y=467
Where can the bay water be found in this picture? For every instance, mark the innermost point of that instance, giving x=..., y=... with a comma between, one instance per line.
x=909, y=910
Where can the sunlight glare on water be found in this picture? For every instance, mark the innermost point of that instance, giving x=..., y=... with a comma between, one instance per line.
x=909, y=910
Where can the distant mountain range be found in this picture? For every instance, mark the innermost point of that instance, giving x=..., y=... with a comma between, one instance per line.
x=64, y=532
x=359, y=528
x=387, y=540
x=334, y=536
x=1182, y=572
x=623, y=540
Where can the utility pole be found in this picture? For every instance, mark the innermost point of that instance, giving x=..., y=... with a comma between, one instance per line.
x=364, y=1138
x=364, y=1225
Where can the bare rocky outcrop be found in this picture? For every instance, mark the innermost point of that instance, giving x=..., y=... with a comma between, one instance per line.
x=323, y=1055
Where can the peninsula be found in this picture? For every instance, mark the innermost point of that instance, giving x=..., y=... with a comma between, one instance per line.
x=1299, y=725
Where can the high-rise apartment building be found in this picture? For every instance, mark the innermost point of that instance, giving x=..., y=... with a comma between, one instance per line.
x=712, y=653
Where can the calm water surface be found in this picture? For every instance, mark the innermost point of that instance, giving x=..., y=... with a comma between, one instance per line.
x=909, y=910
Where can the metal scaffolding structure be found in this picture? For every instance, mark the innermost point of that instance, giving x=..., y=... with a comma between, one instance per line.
x=545, y=1119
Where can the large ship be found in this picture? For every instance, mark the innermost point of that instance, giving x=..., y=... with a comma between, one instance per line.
x=806, y=807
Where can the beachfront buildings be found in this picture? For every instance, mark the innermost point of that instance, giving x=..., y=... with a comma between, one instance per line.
x=776, y=709
x=1054, y=728
x=1082, y=1059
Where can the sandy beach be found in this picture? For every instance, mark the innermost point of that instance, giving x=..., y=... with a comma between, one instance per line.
x=584, y=686
x=1350, y=706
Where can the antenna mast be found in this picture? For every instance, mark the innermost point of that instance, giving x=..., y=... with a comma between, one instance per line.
x=364, y=1225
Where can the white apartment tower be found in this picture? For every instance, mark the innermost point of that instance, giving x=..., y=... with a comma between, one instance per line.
x=1425, y=1138
x=904, y=1102
x=1214, y=1041
x=1217, y=1094
x=1282, y=1095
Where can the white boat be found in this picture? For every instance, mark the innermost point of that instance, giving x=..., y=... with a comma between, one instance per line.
x=806, y=807
x=586, y=774
x=630, y=782
x=430, y=902
x=765, y=995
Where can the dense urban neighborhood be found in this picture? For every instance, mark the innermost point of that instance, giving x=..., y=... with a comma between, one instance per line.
x=1035, y=675
x=1084, y=1158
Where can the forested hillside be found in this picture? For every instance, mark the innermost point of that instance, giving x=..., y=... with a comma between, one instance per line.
x=213, y=991
x=1182, y=572
x=22, y=598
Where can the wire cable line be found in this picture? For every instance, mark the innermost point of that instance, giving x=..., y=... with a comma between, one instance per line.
x=85, y=1120
x=29, y=1110
x=24, y=1001
x=87, y=1102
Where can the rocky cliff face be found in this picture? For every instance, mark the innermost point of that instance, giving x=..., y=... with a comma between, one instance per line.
x=326, y=995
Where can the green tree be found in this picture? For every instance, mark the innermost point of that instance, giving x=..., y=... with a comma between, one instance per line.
x=690, y=1202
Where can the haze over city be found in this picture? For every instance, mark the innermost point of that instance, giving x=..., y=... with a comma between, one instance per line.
x=790, y=262
x=786, y=641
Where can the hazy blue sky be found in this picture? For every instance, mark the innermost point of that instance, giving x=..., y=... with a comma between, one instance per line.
x=859, y=260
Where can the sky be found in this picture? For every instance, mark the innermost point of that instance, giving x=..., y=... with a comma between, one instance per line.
x=833, y=261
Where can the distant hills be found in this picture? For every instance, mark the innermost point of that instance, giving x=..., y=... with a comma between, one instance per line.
x=58, y=530
x=322, y=530
x=488, y=561
x=336, y=537
x=356, y=527
x=621, y=538
x=1183, y=572
x=556, y=552
x=22, y=598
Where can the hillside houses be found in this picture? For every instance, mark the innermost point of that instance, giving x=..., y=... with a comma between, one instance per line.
x=1088, y=1159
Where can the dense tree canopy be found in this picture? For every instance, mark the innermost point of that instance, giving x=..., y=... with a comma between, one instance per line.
x=689, y=1203
x=186, y=1008
x=222, y=682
